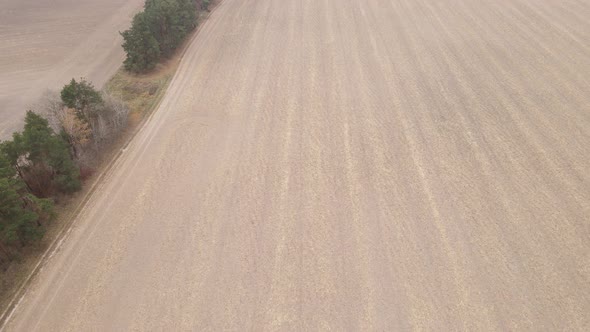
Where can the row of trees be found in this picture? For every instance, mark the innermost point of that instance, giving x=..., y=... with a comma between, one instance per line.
x=43, y=162
x=158, y=30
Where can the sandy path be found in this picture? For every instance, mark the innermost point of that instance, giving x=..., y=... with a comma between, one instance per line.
x=348, y=165
x=44, y=44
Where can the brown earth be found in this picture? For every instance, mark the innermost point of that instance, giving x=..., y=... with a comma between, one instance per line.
x=44, y=44
x=347, y=165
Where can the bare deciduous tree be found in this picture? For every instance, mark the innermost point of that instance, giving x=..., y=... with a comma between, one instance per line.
x=48, y=106
x=118, y=112
x=110, y=120
x=86, y=135
x=77, y=131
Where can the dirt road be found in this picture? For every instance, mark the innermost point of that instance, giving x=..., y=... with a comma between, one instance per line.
x=348, y=165
x=44, y=44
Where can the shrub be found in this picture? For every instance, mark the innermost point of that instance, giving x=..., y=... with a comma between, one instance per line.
x=205, y=5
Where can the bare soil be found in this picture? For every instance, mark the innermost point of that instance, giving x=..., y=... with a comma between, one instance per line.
x=347, y=165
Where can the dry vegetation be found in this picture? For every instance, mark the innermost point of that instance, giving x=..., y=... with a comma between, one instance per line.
x=140, y=93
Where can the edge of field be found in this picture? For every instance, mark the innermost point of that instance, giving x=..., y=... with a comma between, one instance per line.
x=143, y=94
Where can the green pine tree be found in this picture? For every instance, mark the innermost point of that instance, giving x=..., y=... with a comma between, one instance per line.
x=157, y=32
x=142, y=48
x=81, y=96
x=41, y=158
x=21, y=213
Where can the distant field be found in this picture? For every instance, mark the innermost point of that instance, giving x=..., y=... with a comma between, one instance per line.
x=45, y=43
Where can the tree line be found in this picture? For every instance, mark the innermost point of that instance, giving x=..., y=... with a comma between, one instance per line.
x=50, y=157
x=158, y=30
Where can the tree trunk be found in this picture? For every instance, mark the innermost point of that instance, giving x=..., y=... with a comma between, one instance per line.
x=21, y=176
